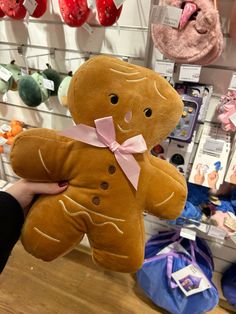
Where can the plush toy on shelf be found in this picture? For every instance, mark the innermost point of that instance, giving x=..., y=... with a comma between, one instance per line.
x=121, y=111
x=13, y=9
x=40, y=9
x=32, y=90
x=107, y=12
x=74, y=13
x=53, y=76
x=8, y=133
x=63, y=90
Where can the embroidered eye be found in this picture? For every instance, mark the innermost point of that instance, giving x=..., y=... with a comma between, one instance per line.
x=147, y=112
x=114, y=99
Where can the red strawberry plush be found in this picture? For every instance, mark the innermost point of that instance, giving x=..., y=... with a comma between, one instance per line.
x=74, y=12
x=40, y=9
x=2, y=14
x=13, y=8
x=108, y=14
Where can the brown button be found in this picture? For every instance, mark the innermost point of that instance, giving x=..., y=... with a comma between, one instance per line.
x=104, y=185
x=96, y=200
x=112, y=169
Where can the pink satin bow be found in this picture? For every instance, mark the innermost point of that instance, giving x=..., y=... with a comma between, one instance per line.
x=104, y=136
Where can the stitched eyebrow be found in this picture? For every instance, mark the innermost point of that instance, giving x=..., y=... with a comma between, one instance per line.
x=137, y=80
x=158, y=92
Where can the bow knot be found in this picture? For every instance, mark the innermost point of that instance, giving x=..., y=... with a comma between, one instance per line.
x=114, y=146
x=104, y=136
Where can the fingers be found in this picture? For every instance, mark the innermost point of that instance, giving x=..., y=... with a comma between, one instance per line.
x=47, y=188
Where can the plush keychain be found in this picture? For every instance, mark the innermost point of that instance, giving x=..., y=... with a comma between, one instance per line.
x=107, y=12
x=74, y=13
x=8, y=133
x=121, y=111
x=54, y=76
x=13, y=9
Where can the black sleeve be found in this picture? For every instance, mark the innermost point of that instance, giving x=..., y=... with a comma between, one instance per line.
x=11, y=221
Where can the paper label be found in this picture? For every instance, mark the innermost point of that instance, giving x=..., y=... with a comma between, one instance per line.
x=30, y=6
x=24, y=72
x=5, y=74
x=213, y=146
x=91, y=4
x=48, y=84
x=191, y=280
x=232, y=84
x=118, y=3
x=233, y=237
x=232, y=118
x=216, y=232
x=188, y=234
x=88, y=28
x=164, y=68
x=173, y=247
x=5, y=128
x=3, y=141
x=190, y=73
x=166, y=15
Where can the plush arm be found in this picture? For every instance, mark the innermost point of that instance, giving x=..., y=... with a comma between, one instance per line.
x=41, y=155
x=166, y=190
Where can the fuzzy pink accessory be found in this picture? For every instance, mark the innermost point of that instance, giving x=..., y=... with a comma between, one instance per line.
x=226, y=109
x=200, y=41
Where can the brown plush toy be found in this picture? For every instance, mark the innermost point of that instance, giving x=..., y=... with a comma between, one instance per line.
x=121, y=111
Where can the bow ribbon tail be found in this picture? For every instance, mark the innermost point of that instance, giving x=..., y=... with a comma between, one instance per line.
x=130, y=167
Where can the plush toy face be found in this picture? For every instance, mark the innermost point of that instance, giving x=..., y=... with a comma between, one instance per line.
x=113, y=102
x=138, y=99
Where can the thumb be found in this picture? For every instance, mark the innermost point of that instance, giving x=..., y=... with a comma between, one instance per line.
x=48, y=188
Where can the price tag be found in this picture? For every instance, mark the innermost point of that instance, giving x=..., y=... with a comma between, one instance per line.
x=24, y=72
x=188, y=234
x=5, y=75
x=30, y=6
x=3, y=141
x=166, y=15
x=88, y=28
x=190, y=73
x=164, y=68
x=48, y=84
x=118, y=3
x=91, y=4
x=5, y=128
x=216, y=232
x=233, y=82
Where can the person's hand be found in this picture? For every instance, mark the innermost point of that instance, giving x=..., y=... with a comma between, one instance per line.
x=24, y=191
x=212, y=179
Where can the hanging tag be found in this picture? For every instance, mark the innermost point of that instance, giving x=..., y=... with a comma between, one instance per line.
x=191, y=280
x=3, y=141
x=30, y=6
x=91, y=4
x=233, y=237
x=5, y=74
x=190, y=73
x=188, y=234
x=88, y=28
x=118, y=3
x=24, y=72
x=5, y=128
x=233, y=82
x=164, y=68
x=166, y=15
x=48, y=84
x=216, y=232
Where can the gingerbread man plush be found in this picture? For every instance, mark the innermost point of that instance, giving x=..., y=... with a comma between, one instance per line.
x=121, y=111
